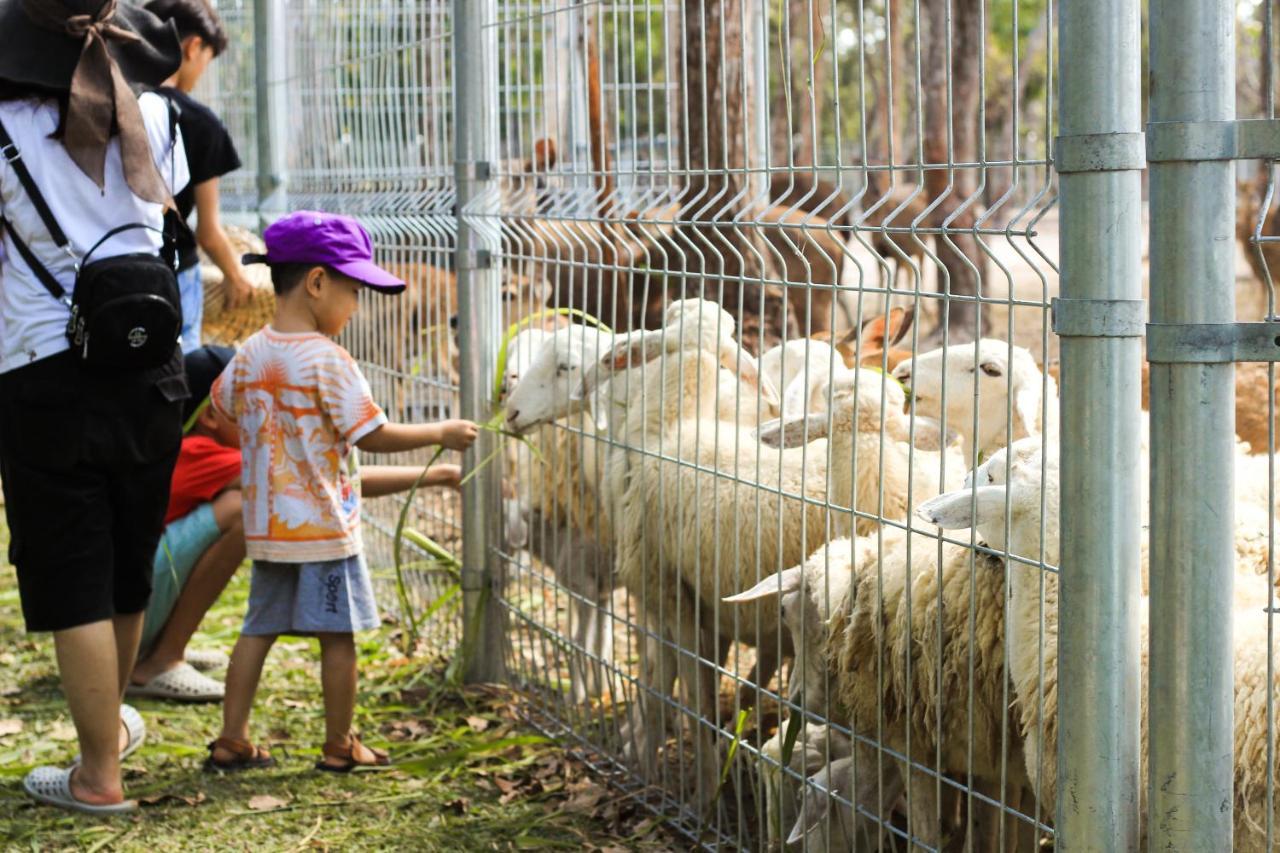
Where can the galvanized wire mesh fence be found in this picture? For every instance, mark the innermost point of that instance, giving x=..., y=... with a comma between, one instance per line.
x=866, y=189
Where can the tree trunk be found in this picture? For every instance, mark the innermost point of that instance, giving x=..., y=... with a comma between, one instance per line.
x=808, y=79
x=1000, y=112
x=963, y=263
x=723, y=262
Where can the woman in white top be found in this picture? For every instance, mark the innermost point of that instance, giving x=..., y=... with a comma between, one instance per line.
x=85, y=458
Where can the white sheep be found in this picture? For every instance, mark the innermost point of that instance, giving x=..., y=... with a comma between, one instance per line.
x=1019, y=482
x=1010, y=389
x=686, y=537
x=562, y=490
x=803, y=369
x=884, y=619
x=567, y=530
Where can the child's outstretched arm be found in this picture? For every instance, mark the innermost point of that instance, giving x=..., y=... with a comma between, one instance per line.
x=379, y=480
x=397, y=438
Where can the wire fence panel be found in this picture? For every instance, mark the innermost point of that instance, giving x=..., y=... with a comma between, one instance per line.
x=855, y=185
x=780, y=481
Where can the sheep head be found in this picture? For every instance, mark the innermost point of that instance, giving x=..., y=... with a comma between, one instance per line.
x=689, y=325
x=1018, y=480
x=1005, y=377
x=857, y=400
x=549, y=388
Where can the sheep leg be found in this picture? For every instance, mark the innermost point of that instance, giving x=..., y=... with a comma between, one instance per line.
x=699, y=696
x=644, y=734
x=985, y=820
x=761, y=674
x=923, y=826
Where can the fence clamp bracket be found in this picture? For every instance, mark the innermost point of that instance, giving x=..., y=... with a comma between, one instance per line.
x=1212, y=343
x=474, y=170
x=1098, y=318
x=1099, y=152
x=478, y=259
x=1246, y=139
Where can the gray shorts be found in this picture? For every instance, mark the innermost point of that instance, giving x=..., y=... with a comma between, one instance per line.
x=331, y=596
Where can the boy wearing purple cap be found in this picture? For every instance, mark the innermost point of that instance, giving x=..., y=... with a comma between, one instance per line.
x=301, y=404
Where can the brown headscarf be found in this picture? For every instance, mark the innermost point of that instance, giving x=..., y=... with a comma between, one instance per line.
x=101, y=99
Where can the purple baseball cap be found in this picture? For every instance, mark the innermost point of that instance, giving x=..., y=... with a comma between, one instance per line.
x=338, y=242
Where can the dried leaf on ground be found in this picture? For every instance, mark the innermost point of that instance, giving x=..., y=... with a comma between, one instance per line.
x=263, y=802
x=477, y=724
x=406, y=730
x=159, y=799
x=10, y=727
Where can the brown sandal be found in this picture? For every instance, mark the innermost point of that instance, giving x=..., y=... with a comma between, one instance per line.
x=246, y=756
x=352, y=755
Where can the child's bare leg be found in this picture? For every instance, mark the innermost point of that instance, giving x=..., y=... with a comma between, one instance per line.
x=209, y=578
x=338, y=677
x=243, y=673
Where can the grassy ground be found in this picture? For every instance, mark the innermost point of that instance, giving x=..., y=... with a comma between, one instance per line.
x=469, y=776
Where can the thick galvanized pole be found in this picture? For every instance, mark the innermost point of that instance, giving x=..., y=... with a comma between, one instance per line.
x=271, y=66
x=475, y=89
x=1192, y=441
x=1101, y=224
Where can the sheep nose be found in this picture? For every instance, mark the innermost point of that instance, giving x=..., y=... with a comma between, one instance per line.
x=513, y=416
x=903, y=376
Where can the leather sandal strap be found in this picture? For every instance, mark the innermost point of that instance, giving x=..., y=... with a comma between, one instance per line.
x=346, y=752
x=242, y=749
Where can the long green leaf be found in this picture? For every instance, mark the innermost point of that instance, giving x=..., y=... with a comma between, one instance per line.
x=397, y=550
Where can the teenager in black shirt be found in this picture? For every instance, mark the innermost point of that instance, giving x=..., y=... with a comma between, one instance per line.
x=210, y=155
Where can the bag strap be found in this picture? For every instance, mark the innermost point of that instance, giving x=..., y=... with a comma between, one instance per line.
x=9, y=151
x=46, y=278
x=14, y=158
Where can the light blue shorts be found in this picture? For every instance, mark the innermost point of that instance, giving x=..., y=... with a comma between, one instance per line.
x=330, y=596
x=182, y=545
x=192, y=295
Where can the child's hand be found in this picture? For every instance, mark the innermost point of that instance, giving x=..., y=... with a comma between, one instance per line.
x=448, y=476
x=458, y=434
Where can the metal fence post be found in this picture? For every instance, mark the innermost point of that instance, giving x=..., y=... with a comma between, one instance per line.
x=1100, y=319
x=1192, y=46
x=475, y=110
x=271, y=61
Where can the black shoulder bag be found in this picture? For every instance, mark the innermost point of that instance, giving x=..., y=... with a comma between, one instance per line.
x=126, y=313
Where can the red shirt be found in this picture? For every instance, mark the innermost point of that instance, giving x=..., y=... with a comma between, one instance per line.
x=204, y=469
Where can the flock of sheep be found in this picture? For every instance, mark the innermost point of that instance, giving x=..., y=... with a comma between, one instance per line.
x=800, y=505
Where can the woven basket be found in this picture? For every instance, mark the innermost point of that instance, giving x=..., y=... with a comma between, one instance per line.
x=230, y=327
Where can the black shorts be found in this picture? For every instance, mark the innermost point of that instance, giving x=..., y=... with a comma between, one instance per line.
x=86, y=461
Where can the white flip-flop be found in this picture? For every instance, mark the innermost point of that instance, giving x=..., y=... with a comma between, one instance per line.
x=52, y=786
x=207, y=660
x=134, y=726
x=181, y=684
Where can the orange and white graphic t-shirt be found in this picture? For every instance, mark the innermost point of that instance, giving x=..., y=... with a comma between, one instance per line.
x=301, y=404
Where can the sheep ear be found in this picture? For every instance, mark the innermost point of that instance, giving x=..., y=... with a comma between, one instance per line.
x=900, y=320
x=784, y=434
x=1026, y=410
x=777, y=584
x=875, y=332
x=747, y=367
x=635, y=350
x=597, y=414
x=795, y=400
x=817, y=800
x=964, y=508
